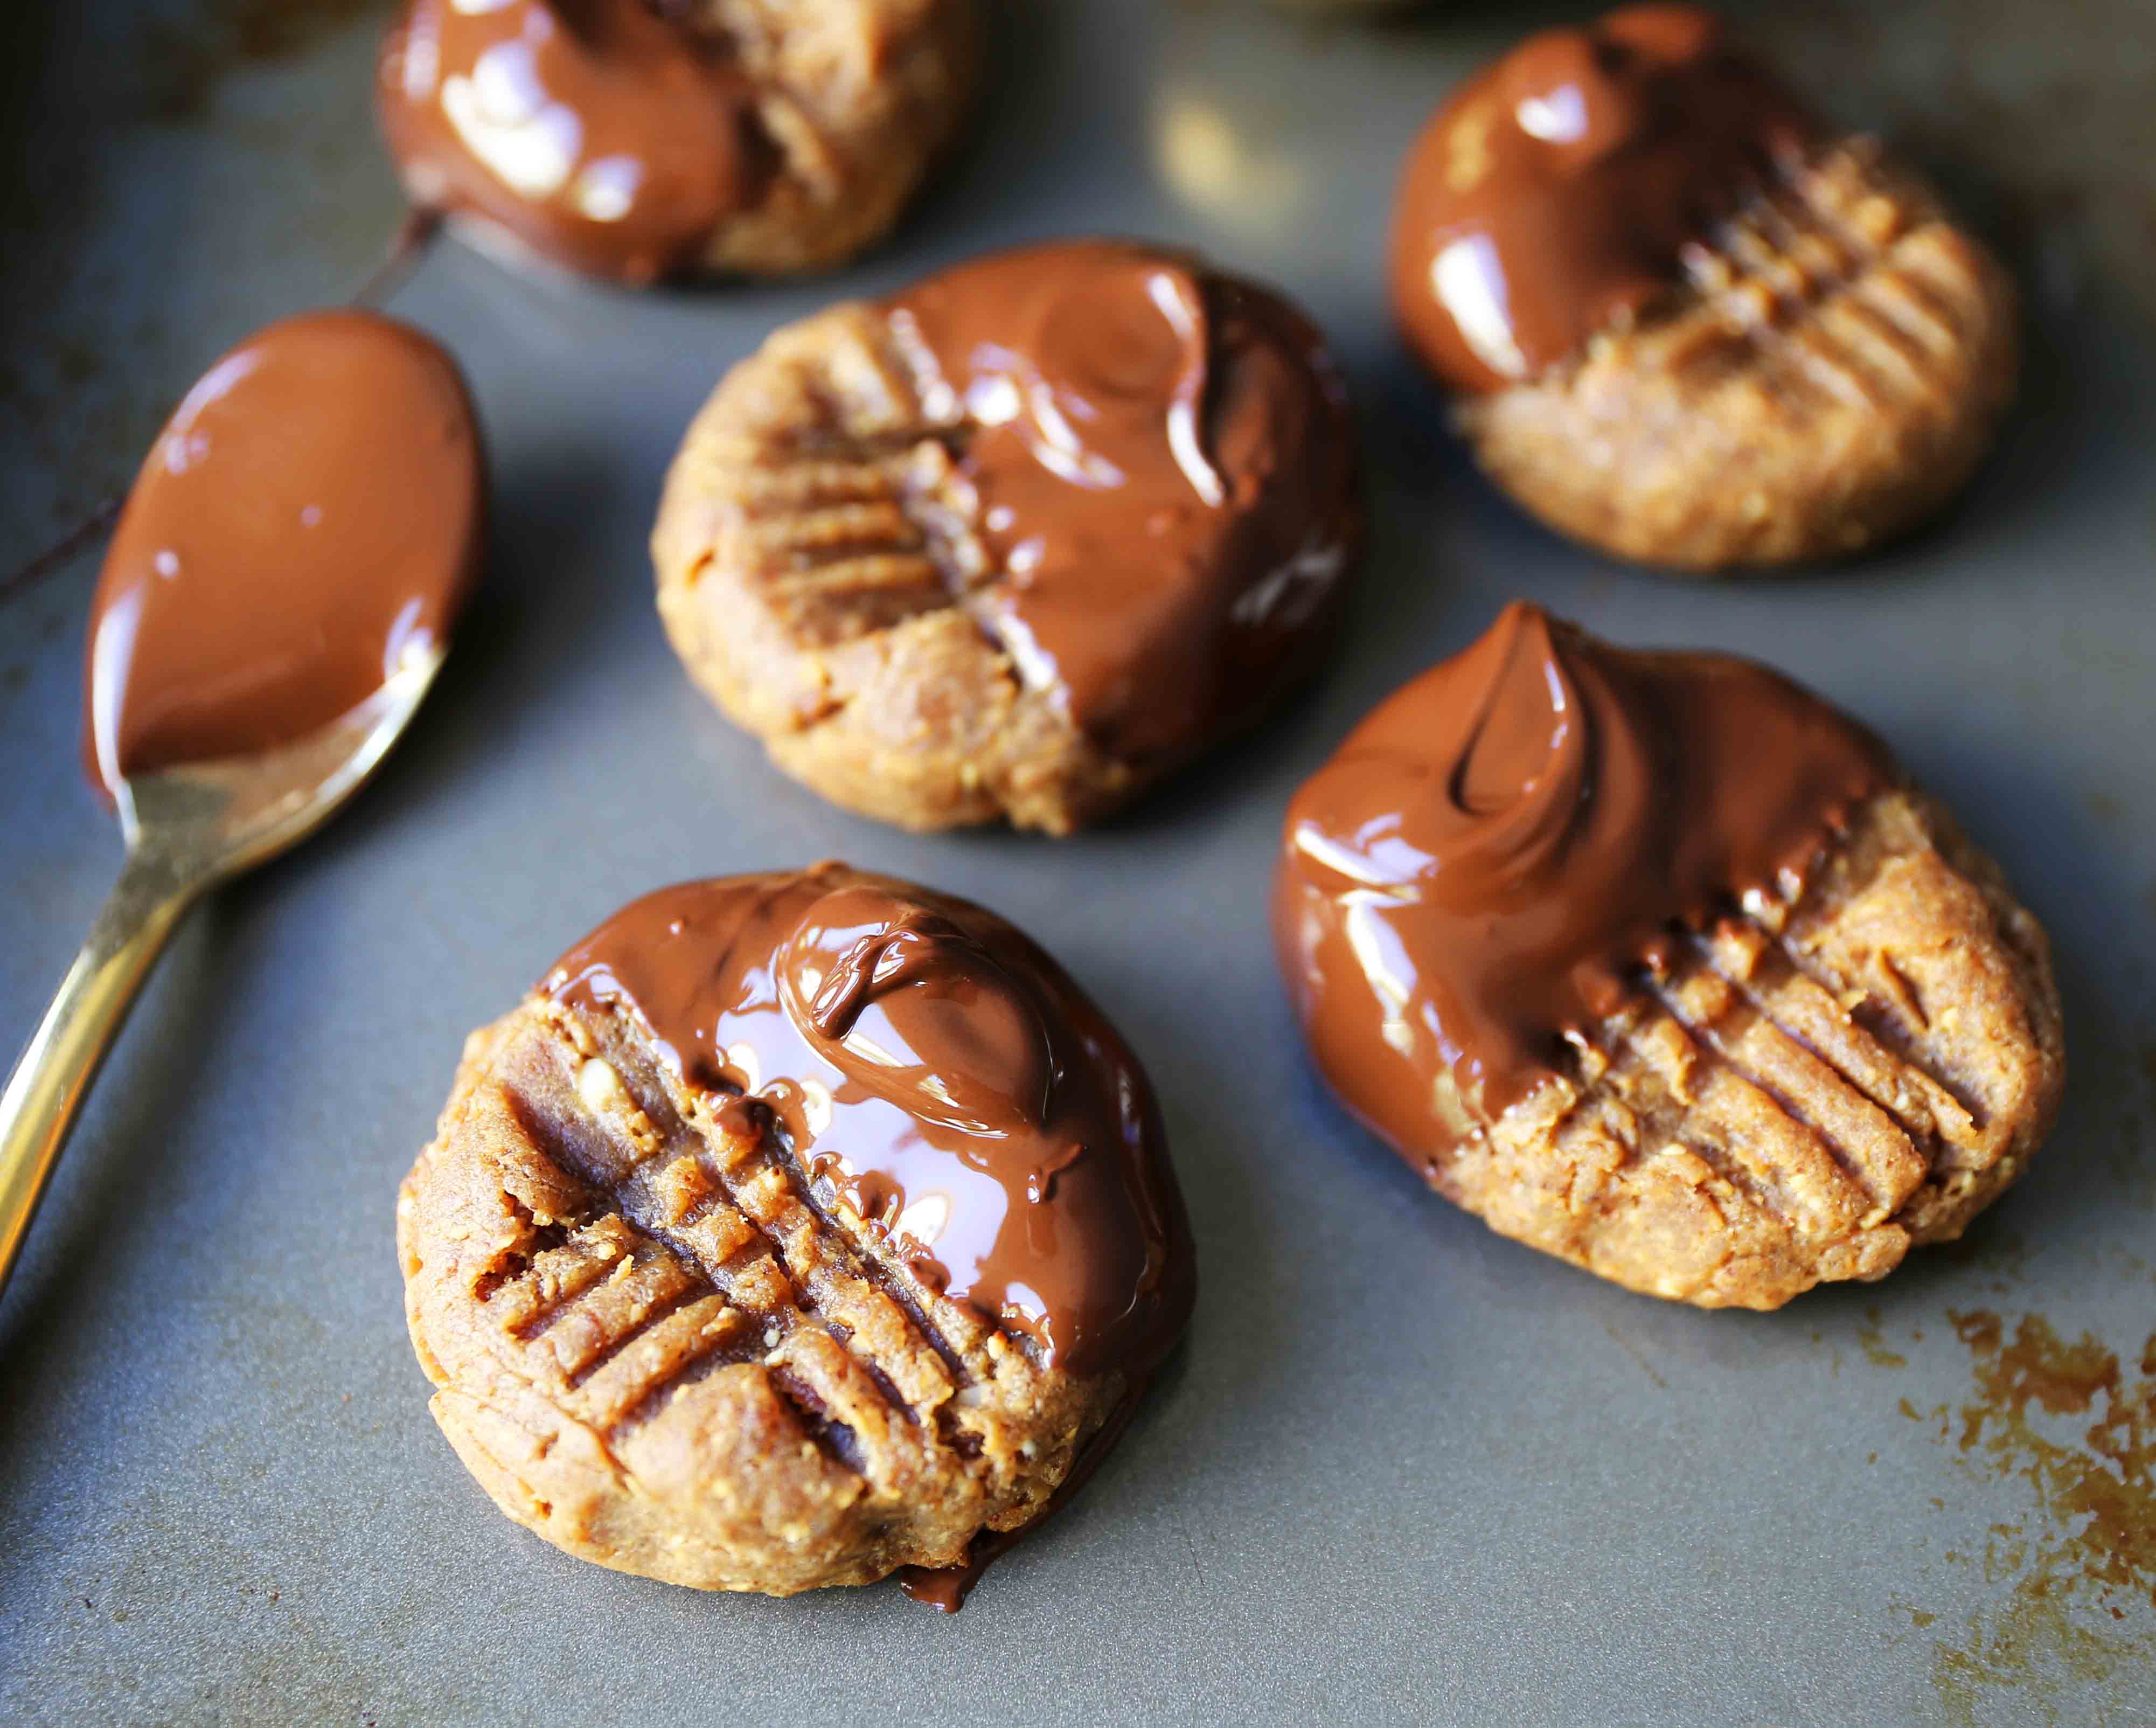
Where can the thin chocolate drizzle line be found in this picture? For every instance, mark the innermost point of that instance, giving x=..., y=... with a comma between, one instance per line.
x=407, y=250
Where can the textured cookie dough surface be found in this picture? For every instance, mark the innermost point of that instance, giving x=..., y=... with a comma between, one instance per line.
x=799, y=581
x=1811, y=1091
x=650, y=1348
x=829, y=575
x=859, y=100
x=1829, y=373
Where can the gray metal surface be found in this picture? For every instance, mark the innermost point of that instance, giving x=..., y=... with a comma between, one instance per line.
x=1405, y=1470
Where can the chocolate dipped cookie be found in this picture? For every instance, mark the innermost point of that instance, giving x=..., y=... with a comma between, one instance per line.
x=796, y=1229
x=1684, y=321
x=642, y=139
x=1658, y=963
x=1019, y=541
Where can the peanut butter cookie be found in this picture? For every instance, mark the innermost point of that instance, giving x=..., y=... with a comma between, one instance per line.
x=1017, y=541
x=1687, y=325
x=799, y=1229
x=1657, y=962
x=643, y=139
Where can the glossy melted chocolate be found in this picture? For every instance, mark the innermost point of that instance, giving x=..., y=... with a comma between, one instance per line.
x=311, y=516
x=1164, y=466
x=606, y=135
x=934, y=1066
x=1554, y=195
x=1502, y=849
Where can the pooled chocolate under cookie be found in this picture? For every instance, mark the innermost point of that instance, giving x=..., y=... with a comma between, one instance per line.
x=1687, y=324
x=643, y=139
x=799, y=1229
x=1655, y=961
x=1019, y=541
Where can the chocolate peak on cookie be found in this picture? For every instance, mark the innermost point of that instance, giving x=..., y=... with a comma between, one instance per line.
x=799, y=1229
x=923, y=1060
x=643, y=139
x=1019, y=541
x=311, y=515
x=1531, y=822
x=1684, y=322
x=1554, y=195
x=1653, y=959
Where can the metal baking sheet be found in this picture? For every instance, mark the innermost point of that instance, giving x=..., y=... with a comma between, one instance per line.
x=1405, y=1470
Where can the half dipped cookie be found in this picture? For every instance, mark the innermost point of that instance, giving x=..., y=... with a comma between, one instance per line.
x=798, y=1229
x=1019, y=541
x=1657, y=963
x=1684, y=320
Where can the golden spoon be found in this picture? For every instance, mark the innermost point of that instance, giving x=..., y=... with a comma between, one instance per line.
x=188, y=828
x=274, y=607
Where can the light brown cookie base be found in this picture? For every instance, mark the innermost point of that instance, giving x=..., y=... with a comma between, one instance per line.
x=1832, y=375
x=812, y=561
x=655, y=1343
x=1815, y=1090
x=861, y=99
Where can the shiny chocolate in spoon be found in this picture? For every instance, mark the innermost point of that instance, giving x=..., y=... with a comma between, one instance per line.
x=275, y=606
x=308, y=522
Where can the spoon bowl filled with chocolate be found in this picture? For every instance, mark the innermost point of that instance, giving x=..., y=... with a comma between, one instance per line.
x=274, y=607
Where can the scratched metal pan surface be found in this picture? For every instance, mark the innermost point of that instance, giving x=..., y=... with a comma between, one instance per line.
x=1405, y=1470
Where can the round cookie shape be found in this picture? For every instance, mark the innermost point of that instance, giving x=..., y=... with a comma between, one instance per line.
x=1684, y=323
x=1019, y=541
x=799, y=1229
x=639, y=140
x=312, y=514
x=1656, y=962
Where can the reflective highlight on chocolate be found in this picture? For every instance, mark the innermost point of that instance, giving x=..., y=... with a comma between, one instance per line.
x=1554, y=195
x=311, y=516
x=935, y=1068
x=1163, y=464
x=1503, y=850
x=604, y=134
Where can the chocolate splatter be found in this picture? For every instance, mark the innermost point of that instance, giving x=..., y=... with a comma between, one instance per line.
x=2066, y=1419
x=1873, y=1341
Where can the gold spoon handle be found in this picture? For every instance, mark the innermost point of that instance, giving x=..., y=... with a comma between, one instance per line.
x=57, y=1067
